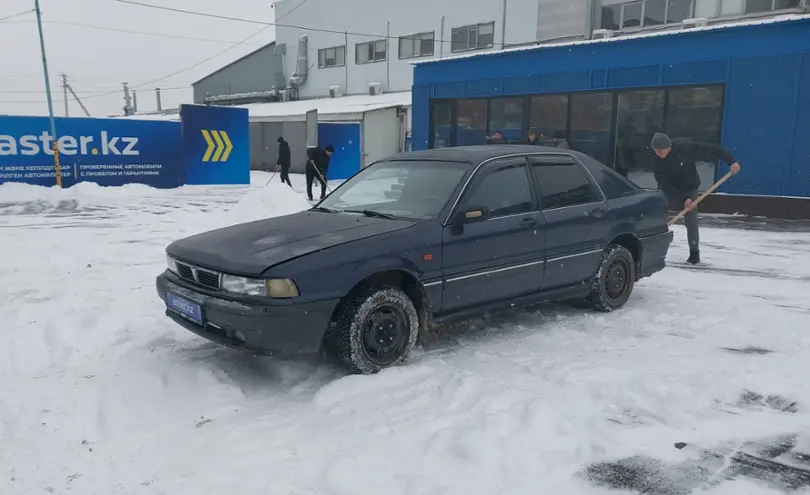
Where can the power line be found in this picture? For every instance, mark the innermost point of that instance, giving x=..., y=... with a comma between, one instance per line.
x=185, y=69
x=96, y=92
x=134, y=31
x=193, y=66
x=273, y=24
x=18, y=14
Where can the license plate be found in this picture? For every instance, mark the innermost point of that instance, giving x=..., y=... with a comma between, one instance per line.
x=185, y=308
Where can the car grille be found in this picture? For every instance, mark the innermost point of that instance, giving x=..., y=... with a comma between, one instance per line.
x=199, y=276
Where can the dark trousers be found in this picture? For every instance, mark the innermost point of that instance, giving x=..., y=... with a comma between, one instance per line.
x=690, y=219
x=285, y=174
x=312, y=174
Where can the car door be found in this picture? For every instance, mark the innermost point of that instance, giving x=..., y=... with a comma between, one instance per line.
x=498, y=257
x=577, y=218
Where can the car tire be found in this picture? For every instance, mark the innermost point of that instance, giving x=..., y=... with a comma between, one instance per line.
x=614, y=279
x=375, y=329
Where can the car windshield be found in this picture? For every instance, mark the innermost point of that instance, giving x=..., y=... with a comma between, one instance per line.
x=413, y=189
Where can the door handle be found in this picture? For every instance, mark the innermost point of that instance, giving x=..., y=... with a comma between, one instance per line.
x=528, y=222
x=597, y=213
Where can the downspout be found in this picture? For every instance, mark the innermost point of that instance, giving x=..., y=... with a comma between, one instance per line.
x=441, y=40
x=345, y=62
x=388, y=56
x=503, y=27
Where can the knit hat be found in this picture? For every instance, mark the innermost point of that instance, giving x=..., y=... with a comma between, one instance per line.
x=330, y=148
x=661, y=141
x=280, y=139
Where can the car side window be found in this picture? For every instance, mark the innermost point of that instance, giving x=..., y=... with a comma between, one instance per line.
x=503, y=190
x=562, y=183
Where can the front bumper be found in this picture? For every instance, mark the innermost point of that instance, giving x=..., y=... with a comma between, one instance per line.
x=260, y=329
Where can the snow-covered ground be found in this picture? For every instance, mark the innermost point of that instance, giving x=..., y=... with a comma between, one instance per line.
x=101, y=394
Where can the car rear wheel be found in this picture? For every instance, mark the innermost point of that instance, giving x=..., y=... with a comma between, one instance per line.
x=376, y=329
x=614, y=279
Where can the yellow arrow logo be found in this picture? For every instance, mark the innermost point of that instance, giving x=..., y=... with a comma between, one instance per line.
x=219, y=145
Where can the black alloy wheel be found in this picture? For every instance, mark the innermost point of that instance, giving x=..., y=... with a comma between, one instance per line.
x=614, y=280
x=375, y=328
x=385, y=335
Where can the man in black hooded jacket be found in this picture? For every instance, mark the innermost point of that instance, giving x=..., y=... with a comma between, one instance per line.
x=675, y=170
x=317, y=167
x=283, y=161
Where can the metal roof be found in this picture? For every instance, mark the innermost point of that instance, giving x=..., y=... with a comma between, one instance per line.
x=231, y=64
x=342, y=105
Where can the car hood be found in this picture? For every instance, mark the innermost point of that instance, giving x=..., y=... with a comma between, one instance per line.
x=251, y=248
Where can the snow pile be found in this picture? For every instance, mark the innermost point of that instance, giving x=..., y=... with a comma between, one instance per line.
x=273, y=200
x=100, y=393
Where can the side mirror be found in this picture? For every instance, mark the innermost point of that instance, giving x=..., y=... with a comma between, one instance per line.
x=470, y=214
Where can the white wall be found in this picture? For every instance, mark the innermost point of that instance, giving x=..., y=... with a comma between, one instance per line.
x=368, y=20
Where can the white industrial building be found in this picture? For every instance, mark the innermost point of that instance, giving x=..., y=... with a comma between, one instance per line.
x=358, y=46
x=331, y=54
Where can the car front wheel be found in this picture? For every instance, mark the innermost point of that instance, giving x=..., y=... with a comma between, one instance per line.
x=614, y=279
x=376, y=328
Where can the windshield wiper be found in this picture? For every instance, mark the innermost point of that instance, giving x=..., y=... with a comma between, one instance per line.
x=372, y=213
x=323, y=209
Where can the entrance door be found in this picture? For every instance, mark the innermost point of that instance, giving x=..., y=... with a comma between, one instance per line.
x=500, y=257
x=345, y=137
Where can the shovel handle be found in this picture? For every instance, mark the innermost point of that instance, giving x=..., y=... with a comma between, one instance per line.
x=700, y=198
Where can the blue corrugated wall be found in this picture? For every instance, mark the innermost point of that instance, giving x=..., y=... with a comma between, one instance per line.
x=766, y=69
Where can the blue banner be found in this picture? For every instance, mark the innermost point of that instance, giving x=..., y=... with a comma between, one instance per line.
x=109, y=152
x=216, y=144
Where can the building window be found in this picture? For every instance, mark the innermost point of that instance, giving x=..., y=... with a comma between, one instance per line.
x=506, y=115
x=474, y=37
x=591, y=129
x=373, y=51
x=548, y=117
x=696, y=113
x=416, y=45
x=639, y=115
x=621, y=14
x=471, y=122
x=442, y=123
x=332, y=57
x=720, y=8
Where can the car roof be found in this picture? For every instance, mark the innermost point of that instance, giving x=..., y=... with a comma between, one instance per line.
x=477, y=154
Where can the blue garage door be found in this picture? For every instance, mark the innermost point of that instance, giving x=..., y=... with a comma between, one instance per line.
x=345, y=137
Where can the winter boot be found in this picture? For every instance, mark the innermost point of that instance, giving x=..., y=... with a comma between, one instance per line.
x=694, y=257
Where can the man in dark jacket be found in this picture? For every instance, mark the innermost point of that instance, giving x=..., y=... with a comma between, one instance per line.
x=283, y=161
x=317, y=166
x=675, y=170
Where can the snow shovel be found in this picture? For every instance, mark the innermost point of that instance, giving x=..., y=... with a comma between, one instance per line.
x=699, y=199
x=321, y=178
x=278, y=167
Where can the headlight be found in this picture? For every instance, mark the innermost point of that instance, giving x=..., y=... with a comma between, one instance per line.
x=171, y=263
x=278, y=288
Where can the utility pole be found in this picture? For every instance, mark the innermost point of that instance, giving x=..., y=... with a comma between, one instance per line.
x=159, y=103
x=65, y=93
x=127, y=100
x=78, y=100
x=50, y=97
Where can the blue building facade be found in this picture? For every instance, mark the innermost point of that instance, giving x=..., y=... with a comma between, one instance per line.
x=745, y=86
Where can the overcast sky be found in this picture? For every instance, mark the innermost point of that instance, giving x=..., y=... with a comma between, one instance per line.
x=98, y=60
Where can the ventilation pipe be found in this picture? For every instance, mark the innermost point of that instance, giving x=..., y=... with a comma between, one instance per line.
x=299, y=76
